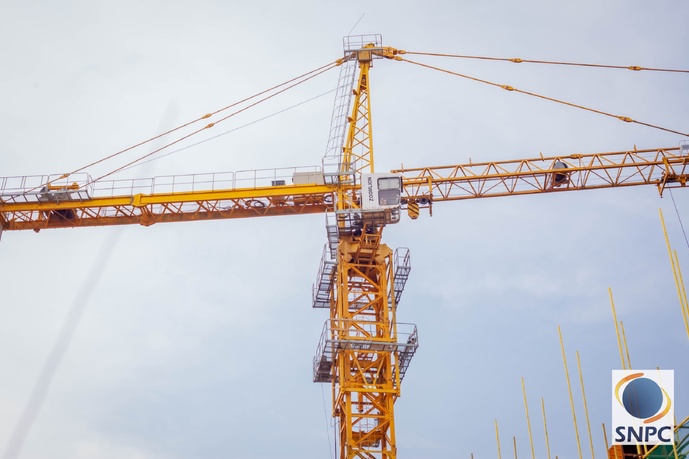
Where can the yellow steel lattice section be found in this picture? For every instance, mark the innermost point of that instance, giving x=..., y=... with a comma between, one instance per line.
x=661, y=167
x=357, y=154
x=365, y=374
x=146, y=209
x=359, y=146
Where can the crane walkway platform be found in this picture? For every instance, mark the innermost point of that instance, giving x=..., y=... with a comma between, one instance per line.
x=82, y=187
x=350, y=337
x=322, y=289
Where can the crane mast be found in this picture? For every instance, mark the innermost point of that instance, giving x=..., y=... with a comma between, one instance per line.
x=363, y=352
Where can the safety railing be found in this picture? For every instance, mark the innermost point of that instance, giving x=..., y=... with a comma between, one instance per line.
x=40, y=188
x=342, y=334
x=81, y=187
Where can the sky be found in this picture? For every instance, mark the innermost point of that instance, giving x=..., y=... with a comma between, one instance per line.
x=195, y=340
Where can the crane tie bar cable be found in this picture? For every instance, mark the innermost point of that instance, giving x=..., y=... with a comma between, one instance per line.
x=206, y=116
x=231, y=130
x=312, y=74
x=300, y=79
x=518, y=60
x=626, y=119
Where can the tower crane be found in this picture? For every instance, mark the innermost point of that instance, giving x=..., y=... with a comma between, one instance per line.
x=363, y=352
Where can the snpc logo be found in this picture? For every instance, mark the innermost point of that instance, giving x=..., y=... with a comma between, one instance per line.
x=642, y=407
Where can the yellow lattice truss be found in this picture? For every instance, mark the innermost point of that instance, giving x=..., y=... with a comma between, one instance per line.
x=366, y=375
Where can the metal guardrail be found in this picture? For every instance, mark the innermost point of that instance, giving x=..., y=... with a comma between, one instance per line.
x=80, y=186
x=341, y=334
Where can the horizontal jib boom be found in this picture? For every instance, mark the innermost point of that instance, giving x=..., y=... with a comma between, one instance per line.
x=67, y=209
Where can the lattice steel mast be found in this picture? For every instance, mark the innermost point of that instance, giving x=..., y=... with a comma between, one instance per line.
x=363, y=351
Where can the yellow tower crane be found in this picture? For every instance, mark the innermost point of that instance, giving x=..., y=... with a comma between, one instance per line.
x=363, y=352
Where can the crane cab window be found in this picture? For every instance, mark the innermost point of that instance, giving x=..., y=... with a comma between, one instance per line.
x=389, y=191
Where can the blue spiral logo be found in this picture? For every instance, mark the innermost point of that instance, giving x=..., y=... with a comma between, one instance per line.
x=642, y=397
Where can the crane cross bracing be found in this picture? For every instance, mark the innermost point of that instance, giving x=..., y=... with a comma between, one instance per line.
x=664, y=168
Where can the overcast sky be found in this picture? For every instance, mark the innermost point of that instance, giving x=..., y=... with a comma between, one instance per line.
x=196, y=339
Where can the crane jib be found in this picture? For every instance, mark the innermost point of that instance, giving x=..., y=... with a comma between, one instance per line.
x=76, y=202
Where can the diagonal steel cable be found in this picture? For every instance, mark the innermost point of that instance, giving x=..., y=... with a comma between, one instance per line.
x=626, y=119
